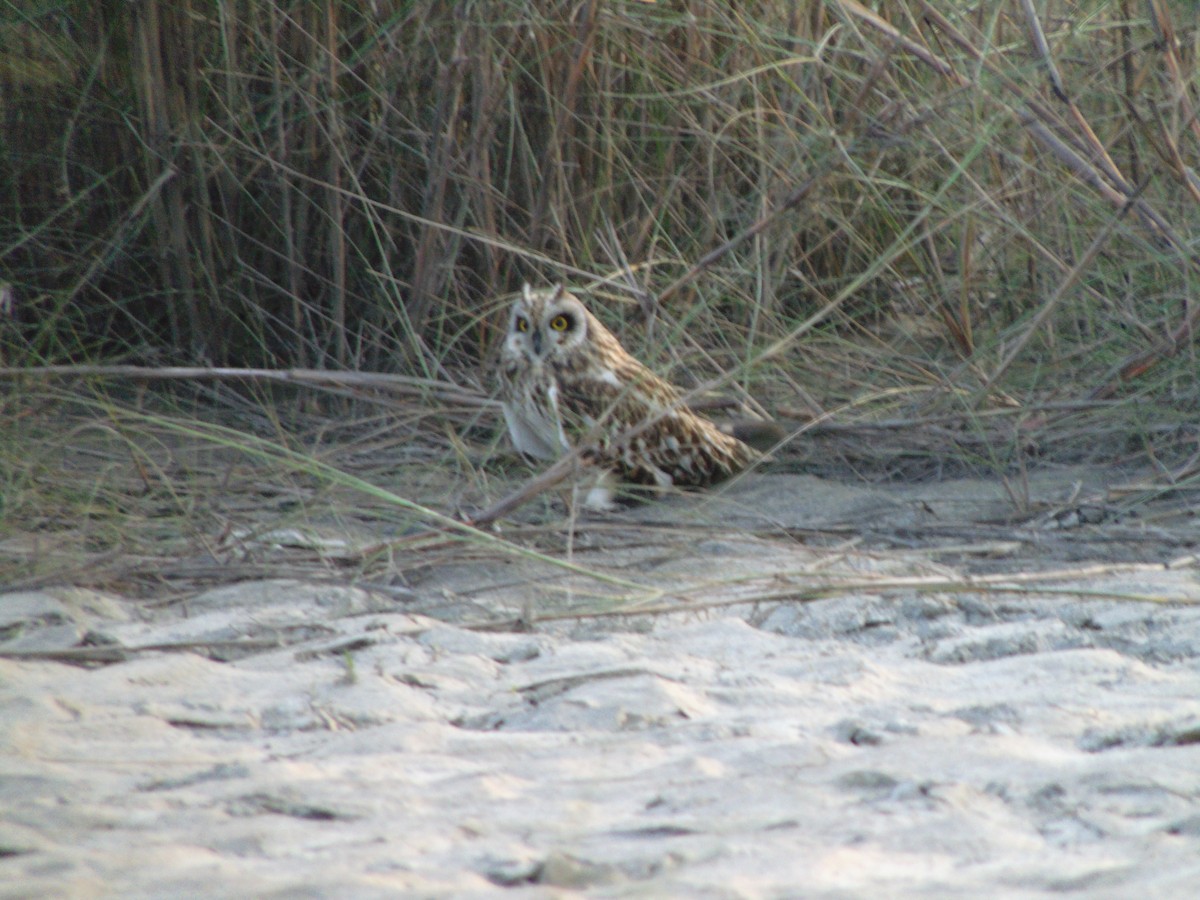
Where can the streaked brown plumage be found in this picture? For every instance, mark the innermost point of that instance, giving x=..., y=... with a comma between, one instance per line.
x=566, y=381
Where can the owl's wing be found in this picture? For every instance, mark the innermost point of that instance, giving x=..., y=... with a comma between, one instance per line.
x=645, y=431
x=621, y=397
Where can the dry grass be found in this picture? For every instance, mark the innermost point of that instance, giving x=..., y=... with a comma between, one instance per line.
x=968, y=227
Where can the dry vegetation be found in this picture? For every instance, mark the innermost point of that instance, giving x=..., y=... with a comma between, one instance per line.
x=954, y=228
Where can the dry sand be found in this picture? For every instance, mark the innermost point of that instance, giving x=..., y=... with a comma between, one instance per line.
x=916, y=735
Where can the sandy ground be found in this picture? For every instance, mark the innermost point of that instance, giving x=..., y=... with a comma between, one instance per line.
x=843, y=691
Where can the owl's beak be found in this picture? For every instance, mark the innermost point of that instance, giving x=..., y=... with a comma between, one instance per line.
x=537, y=343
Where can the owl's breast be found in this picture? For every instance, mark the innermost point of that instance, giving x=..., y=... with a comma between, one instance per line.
x=531, y=413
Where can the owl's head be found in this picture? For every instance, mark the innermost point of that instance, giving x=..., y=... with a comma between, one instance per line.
x=547, y=324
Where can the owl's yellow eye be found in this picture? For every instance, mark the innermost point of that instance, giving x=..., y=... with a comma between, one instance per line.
x=522, y=324
x=560, y=323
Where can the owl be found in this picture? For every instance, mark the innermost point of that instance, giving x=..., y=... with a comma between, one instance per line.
x=566, y=382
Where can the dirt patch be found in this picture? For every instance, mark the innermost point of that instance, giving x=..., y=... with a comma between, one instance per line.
x=792, y=684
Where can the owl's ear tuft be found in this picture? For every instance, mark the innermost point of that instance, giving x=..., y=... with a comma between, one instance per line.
x=559, y=290
x=527, y=291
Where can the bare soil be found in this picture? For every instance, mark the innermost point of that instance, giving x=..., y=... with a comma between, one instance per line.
x=791, y=686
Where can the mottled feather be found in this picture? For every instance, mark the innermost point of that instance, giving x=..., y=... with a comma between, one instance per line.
x=567, y=382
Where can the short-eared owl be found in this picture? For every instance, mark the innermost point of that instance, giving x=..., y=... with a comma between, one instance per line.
x=566, y=381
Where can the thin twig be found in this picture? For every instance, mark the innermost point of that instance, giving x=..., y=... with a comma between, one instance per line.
x=1051, y=303
x=1024, y=583
x=939, y=65
x=319, y=378
x=553, y=476
x=792, y=200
